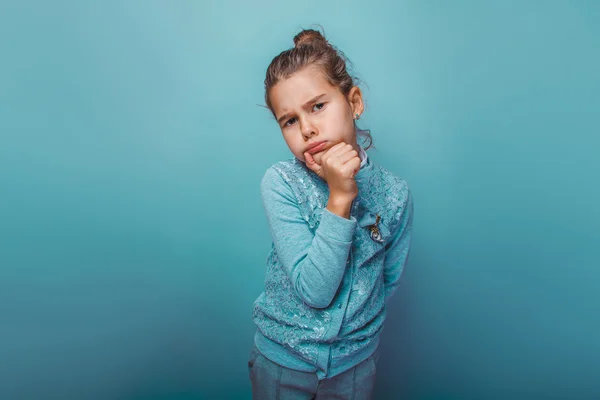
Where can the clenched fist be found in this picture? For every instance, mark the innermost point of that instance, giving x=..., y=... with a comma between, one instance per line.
x=338, y=167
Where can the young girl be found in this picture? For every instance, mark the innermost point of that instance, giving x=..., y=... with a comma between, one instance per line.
x=341, y=228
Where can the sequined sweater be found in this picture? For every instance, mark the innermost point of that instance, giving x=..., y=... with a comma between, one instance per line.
x=328, y=279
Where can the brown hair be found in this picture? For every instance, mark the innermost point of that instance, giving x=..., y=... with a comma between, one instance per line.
x=311, y=48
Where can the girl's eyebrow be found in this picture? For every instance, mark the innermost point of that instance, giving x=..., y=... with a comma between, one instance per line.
x=286, y=115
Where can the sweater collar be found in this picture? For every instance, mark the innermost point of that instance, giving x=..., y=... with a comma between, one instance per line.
x=363, y=156
x=366, y=168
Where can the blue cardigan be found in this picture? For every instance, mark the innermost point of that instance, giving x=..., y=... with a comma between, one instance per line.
x=328, y=278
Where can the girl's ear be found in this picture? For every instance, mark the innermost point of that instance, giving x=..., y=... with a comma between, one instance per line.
x=356, y=100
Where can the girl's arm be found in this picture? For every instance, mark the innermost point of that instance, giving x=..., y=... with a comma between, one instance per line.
x=315, y=263
x=397, y=251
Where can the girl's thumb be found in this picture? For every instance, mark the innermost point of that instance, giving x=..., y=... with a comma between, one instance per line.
x=311, y=163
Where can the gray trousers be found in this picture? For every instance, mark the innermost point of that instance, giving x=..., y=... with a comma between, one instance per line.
x=271, y=381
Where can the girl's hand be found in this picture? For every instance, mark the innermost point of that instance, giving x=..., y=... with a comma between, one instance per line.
x=338, y=167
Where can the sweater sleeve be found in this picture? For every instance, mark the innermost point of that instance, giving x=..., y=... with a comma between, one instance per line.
x=315, y=263
x=398, y=249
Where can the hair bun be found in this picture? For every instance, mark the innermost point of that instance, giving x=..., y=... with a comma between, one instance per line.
x=309, y=37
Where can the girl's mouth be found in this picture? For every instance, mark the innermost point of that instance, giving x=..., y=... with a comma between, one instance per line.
x=318, y=148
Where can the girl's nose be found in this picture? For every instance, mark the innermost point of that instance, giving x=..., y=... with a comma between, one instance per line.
x=308, y=129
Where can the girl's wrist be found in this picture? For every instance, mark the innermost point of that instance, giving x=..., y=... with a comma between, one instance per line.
x=340, y=205
x=341, y=198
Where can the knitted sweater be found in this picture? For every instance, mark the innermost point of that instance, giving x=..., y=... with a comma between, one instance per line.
x=328, y=278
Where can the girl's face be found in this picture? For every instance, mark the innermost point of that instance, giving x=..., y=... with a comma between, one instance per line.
x=309, y=110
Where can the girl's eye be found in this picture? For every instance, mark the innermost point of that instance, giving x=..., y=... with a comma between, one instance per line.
x=318, y=106
x=290, y=121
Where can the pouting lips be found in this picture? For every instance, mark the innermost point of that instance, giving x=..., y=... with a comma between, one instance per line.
x=318, y=148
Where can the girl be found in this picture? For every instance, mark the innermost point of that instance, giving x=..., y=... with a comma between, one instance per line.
x=341, y=228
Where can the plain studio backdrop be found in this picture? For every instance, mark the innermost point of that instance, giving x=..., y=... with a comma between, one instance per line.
x=133, y=241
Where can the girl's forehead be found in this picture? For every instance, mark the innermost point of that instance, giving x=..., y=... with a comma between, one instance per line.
x=299, y=88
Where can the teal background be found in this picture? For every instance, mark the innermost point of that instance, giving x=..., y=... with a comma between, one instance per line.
x=132, y=235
